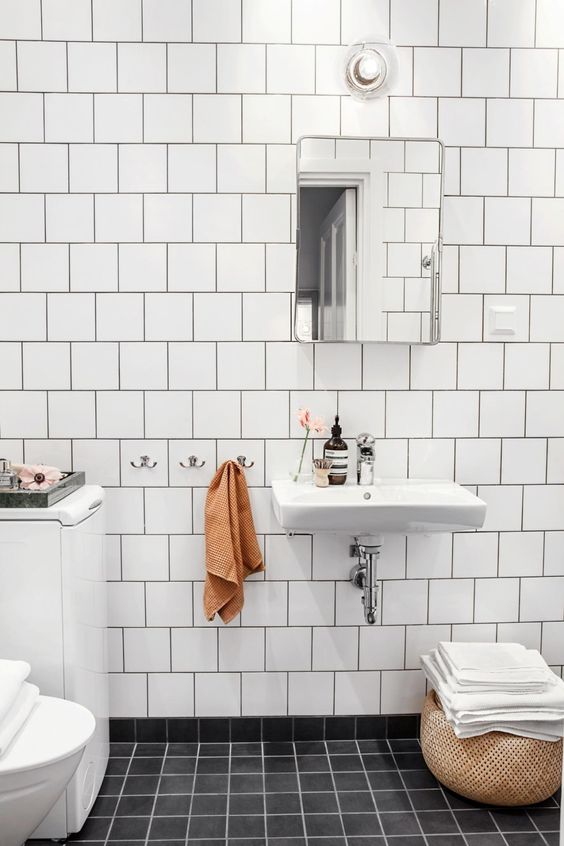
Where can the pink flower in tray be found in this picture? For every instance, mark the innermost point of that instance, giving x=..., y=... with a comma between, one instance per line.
x=38, y=477
x=310, y=424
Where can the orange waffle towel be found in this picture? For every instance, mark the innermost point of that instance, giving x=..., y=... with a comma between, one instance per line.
x=232, y=550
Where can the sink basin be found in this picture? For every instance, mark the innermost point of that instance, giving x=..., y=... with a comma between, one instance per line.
x=389, y=505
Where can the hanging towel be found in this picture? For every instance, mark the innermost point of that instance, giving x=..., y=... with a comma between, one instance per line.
x=12, y=676
x=232, y=550
x=18, y=714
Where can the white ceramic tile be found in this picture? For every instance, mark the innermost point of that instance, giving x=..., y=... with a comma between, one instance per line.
x=414, y=22
x=404, y=601
x=72, y=414
x=497, y=600
x=314, y=116
x=520, y=554
x=191, y=267
x=475, y=554
x=241, y=68
x=266, y=119
x=44, y=267
x=21, y=117
x=94, y=267
x=464, y=223
x=288, y=648
x=170, y=694
x=478, y=461
x=437, y=72
x=91, y=67
x=217, y=217
x=93, y=168
x=118, y=118
x=264, y=694
x=266, y=218
x=118, y=217
x=141, y=67
x=480, y=366
x=484, y=171
x=290, y=69
x=266, y=604
x=142, y=168
x=71, y=317
x=266, y=317
x=168, y=317
x=511, y=24
x=217, y=118
x=549, y=24
x=241, y=650
x=433, y=367
x=167, y=118
x=462, y=26
x=462, y=121
x=128, y=694
x=119, y=415
x=529, y=270
x=167, y=217
x=169, y=603
x=431, y=458
x=455, y=414
x=192, y=366
x=310, y=693
x=46, y=366
x=11, y=366
x=20, y=18
x=143, y=365
x=240, y=366
x=168, y=414
x=191, y=167
x=402, y=692
x=144, y=557
x=451, y=601
x=121, y=23
x=42, y=66
x=99, y=459
x=216, y=20
x=381, y=647
x=9, y=167
x=240, y=168
x=510, y=123
x=335, y=648
x=119, y=317
x=485, y=71
x=191, y=68
x=166, y=20
x=142, y=267
x=217, y=415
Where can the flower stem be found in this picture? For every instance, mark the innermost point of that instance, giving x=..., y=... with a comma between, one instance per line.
x=303, y=450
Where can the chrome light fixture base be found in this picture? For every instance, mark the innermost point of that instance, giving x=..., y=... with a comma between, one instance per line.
x=371, y=68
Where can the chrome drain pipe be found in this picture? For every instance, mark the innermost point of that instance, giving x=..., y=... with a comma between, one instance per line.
x=363, y=576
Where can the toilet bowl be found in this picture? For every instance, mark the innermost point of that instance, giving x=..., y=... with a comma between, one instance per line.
x=39, y=764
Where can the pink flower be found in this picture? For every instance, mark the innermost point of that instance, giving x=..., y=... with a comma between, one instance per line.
x=318, y=425
x=38, y=477
x=304, y=418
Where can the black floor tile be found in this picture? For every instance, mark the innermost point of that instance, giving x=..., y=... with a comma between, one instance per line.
x=135, y=806
x=285, y=803
x=287, y=825
x=347, y=793
x=168, y=828
x=246, y=803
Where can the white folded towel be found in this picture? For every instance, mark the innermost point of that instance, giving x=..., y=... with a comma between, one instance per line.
x=12, y=676
x=501, y=664
x=536, y=730
x=17, y=715
x=491, y=703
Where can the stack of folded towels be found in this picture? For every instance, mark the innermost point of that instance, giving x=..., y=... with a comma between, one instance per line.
x=17, y=699
x=487, y=687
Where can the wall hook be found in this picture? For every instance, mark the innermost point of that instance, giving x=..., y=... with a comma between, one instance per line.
x=192, y=462
x=145, y=461
x=242, y=459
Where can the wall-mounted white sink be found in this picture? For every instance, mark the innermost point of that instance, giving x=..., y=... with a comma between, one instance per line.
x=389, y=505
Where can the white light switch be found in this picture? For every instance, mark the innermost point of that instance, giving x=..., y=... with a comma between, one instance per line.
x=502, y=320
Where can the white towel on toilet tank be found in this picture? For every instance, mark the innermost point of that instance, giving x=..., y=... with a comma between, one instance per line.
x=18, y=714
x=12, y=676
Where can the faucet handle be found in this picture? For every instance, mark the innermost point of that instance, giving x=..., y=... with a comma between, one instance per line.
x=365, y=439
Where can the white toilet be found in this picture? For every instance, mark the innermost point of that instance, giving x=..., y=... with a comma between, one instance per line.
x=39, y=764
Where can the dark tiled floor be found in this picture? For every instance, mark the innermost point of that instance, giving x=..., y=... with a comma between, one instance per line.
x=334, y=793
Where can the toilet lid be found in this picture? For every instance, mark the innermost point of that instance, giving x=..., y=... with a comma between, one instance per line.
x=55, y=729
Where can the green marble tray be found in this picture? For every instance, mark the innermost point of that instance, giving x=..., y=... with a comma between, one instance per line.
x=20, y=498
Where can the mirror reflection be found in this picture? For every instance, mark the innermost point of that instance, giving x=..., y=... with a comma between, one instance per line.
x=369, y=240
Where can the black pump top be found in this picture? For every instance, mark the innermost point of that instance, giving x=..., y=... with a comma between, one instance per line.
x=336, y=429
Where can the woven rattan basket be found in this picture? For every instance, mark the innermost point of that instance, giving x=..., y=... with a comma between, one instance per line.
x=494, y=768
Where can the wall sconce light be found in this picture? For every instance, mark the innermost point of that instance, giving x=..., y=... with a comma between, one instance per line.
x=371, y=68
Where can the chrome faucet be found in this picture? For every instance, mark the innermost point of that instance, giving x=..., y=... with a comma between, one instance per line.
x=365, y=458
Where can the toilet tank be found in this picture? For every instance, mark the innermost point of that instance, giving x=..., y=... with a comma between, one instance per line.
x=53, y=614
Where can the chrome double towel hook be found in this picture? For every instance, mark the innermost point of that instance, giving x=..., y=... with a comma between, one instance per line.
x=144, y=461
x=192, y=462
x=242, y=460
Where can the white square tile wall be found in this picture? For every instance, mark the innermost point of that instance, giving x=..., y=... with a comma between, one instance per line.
x=147, y=185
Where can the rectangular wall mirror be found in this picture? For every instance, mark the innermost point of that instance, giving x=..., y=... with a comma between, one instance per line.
x=369, y=239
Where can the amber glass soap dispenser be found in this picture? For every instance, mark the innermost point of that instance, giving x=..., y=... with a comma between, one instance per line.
x=337, y=451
